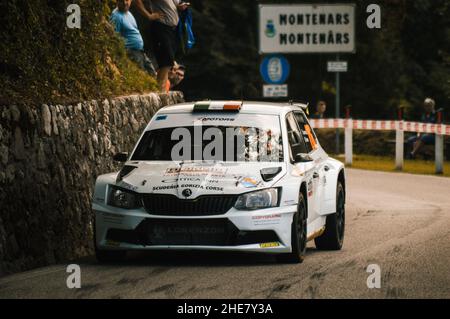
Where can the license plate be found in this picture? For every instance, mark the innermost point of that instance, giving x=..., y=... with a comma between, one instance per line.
x=195, y=230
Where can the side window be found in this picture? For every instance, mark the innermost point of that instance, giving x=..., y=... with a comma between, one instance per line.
x=307, y=132
x=296, y=143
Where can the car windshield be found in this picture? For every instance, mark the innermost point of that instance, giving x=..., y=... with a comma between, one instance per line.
x=218, y=143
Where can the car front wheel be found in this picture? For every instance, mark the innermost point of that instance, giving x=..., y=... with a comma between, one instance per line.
x=298, y=235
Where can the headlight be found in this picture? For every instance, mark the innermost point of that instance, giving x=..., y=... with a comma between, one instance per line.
x=256, y=200
x=123, y=199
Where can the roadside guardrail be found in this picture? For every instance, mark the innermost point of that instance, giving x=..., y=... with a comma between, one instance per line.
x=400, y=127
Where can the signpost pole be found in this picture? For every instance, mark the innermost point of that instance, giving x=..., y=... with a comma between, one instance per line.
x=338, y=101
x=439, y=147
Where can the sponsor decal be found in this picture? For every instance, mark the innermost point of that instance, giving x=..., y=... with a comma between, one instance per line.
x=192, y=186
x=310, y=188
x=266, y=217
x=273, y=219
x=161, y=118
x=196, y=186
x=169, y=181
x=181, y=179
x=196, y=171
x=269, y=245
x=247, y=182
x=214, y=188
x=195, y=230
x=144, y=182
x=159, y=232
x=216, y=119
x=164, y=187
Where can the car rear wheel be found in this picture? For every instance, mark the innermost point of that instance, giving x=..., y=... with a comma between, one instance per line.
x=333, y=237
x=298, y=236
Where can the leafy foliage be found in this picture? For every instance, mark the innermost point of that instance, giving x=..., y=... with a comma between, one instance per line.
x=400, y=64
x=41, y=60
x=405, y=61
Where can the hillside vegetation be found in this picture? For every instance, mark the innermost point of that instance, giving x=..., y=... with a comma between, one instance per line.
x=41, y=60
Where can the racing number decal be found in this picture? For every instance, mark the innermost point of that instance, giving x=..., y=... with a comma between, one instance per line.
x=310, y=136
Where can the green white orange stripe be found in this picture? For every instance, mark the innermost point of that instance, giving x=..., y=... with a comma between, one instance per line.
x=217, y=106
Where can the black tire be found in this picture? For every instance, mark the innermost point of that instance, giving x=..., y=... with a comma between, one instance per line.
x=333, y=237
x=298, y=236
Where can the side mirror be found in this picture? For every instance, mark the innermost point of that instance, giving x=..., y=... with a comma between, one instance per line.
x=120, y=157
x=302, y=158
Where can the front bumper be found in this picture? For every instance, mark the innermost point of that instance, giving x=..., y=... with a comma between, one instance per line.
x=267, y=230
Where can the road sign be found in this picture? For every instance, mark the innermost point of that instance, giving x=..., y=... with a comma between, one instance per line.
x=275, y=69
x=306, y=28
x=337, y=66
x=270, y=90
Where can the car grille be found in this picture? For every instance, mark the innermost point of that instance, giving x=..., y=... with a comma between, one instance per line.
x=170, y=205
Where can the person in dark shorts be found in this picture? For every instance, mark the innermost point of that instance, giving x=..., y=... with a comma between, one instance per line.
x=415, y=143
x=144, y=20
x=163, y=33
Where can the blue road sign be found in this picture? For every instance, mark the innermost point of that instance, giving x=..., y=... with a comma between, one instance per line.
x=275, y=69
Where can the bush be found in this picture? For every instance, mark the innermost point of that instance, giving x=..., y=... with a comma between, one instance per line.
x=41, y=60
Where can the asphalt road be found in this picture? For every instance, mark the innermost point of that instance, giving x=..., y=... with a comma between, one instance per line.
x=400, y=222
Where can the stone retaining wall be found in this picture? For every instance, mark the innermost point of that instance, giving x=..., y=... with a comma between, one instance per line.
x=49, y=159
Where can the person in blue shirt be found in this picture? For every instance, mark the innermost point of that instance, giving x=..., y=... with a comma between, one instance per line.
x=125, y=24
x=416, y=142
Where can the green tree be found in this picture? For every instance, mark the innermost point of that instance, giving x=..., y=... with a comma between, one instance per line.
x=41, y=60
x=398, y=65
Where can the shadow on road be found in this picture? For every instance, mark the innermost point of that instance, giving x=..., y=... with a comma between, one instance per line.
x=193, y=259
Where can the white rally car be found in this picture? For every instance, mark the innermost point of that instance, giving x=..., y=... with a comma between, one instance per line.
x=223, y=176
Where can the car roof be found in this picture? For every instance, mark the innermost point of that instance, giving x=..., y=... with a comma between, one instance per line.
x=270, y=108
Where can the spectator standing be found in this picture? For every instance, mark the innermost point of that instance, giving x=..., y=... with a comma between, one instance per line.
x=320, y=110
x=417, y=142
x=125, y=24
x=176, y=75
x=144, y=19
x=163, y=33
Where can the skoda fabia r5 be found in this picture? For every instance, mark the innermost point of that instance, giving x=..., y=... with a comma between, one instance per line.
x=223, y=176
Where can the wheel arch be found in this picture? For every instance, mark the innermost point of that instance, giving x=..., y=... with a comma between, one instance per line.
x=341, y=179
x=335, y=174
x=304, y=192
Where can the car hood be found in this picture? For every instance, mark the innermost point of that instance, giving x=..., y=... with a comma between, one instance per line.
x=193, y=179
